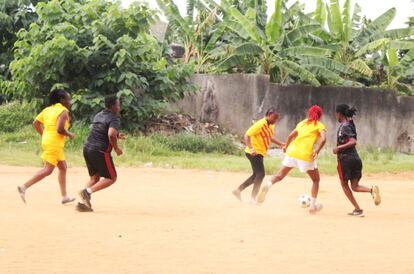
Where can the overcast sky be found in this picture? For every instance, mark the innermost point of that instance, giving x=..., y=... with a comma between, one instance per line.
x=370, y=8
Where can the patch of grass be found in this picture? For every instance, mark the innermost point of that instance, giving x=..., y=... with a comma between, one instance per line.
x=184, y=151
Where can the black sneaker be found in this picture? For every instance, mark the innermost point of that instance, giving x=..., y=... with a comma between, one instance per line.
x=357, y=213
x=83, y=208
x=85, y=198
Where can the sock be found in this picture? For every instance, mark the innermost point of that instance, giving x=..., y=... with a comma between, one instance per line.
x=313, y=202
x=66, y=197
x=269, y=184
x=23, y=187
x=89, y=190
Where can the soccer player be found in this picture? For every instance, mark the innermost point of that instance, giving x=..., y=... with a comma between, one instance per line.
x=300, y=153
x=349, y=162
x=258, y=139
x=102, y=139
x=55, y=122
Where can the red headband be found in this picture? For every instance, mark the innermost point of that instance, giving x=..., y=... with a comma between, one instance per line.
x=315, y=113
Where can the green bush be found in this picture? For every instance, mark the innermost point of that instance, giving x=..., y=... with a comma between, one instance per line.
x=14, y=116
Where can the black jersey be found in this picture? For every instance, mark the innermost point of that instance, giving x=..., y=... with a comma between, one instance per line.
x=346, y=131
x=98, y=137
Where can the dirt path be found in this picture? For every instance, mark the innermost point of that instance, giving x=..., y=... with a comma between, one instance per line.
x=186, y=221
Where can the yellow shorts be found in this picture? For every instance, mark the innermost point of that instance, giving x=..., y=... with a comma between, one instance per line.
x=53, y=155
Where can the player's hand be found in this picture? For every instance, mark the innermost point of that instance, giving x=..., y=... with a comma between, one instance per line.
x=314, y=156
x=335, y=150
x=71, y=136
x=253, y=152
x=118, y=151
x=122, y=136
x=284, y=148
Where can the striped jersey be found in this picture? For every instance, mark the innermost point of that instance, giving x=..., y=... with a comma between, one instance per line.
x=260, y=134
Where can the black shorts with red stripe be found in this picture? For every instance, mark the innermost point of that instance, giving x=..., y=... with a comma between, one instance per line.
x=349, y=167
x=99, y=163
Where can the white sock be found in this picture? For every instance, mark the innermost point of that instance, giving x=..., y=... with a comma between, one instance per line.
x=66, y=197
x=23, y=187
x=89, y=190
x=313, y=202
x=269, y=184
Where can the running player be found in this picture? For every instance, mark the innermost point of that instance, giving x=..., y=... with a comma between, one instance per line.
x=102, y=139
x=55, y=122
x=258, y=139
x=349, y=162
x=300, y=153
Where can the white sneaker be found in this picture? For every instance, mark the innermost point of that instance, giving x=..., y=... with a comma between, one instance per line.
x=262, y=196
x=253, y=202
x=316, y=208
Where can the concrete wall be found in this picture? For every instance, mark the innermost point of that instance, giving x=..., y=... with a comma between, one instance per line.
x=233, y=101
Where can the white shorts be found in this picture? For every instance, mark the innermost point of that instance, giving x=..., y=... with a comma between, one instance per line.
x=302, y=165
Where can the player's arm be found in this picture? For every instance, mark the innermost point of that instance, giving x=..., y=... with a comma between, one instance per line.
x=350, y=144
x=290, y=138
x=38, y=126
x=248, y=143
x=277, y=142
x=253, y=130
x=113, y=140
x=321, y=144
x=60, y=125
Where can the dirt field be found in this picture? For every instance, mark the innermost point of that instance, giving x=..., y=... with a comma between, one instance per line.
x=186, y=221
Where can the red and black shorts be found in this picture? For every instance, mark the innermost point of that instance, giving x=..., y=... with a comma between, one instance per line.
x=99, y=163
x=349, y=168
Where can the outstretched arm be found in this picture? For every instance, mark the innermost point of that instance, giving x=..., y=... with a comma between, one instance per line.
x=290, y=138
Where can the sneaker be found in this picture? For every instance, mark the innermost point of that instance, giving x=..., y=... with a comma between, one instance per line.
x=253, y=201
x=357, y=213
x=22, y=193
x=83, y=208
x=262, y=196
x=237, y=194
x=316, y=208
x=67, y=200
x=85, y=198
x=375, y=192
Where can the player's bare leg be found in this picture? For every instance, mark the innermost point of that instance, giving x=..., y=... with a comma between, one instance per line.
x=348, y=193
x=62, y=167
x=315, y=177
x=374, y=190
x=40, y=175
x=280, y=175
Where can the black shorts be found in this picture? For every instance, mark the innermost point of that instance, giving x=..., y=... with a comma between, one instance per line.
x=99, y=163
x=349, y=168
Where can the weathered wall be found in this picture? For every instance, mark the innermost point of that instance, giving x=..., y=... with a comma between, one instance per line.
x=233, y=101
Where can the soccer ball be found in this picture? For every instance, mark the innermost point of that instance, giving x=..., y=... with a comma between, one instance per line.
x=304, y=201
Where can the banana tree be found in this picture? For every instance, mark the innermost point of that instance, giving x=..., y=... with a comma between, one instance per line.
x=281, y=47
x=358, y=40
x=198, y=31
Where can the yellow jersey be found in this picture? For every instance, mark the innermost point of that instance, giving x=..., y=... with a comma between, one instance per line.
x=308, y=134
x=260, y=134
x=48, y=117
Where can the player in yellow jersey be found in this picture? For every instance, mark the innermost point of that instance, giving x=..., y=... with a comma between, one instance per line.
x=258, y=139
x=301, y=153
x=55, y=122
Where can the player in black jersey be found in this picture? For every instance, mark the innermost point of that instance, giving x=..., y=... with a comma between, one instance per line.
x=349, y=162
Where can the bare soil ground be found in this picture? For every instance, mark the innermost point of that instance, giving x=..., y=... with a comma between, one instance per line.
x=187, y=221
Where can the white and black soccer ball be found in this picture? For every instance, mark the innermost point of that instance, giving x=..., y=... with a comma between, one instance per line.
x=304, y=201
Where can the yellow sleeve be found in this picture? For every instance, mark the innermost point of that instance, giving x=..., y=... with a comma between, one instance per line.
x=321, y=127
x=40, y=117
x=255, y=129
